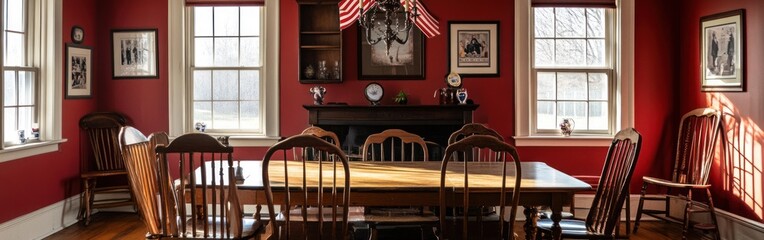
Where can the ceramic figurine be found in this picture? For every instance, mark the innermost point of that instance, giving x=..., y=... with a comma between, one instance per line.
x=567, y=126
x=22, y=136
x=461, y=95
x=318, y=94
x=201, y=126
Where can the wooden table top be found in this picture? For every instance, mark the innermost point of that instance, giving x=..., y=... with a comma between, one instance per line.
x=416, y=176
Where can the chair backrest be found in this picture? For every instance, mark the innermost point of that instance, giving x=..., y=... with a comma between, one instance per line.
x=374, y=147
x=212, y=188
x=328, y=136
x=613, y=187
x=143, y=173
x=103, y=130
x=498, y=151
x=696, y=143
x=470, y=129
x=332, y=177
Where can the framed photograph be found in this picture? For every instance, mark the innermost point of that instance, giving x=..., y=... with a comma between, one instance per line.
x=473, y=48
x=134, y=53
x=402, y=61
x=722, y=48
x=78, y=74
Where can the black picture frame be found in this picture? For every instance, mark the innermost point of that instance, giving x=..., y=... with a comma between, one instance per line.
x=79, y=81
x=485, y=36
x=142, y=58
x=720, y=34
x=370, y=68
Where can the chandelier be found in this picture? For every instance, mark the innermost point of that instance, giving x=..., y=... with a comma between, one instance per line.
x=394, y=27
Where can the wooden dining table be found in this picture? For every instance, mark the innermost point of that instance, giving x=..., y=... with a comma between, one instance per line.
x=418, y=184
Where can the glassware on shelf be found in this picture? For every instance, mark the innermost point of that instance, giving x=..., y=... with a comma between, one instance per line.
x=309, y=72
x=322, y=71
x=336, y=72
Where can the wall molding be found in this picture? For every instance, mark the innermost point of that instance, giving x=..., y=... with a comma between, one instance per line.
x=43, y=222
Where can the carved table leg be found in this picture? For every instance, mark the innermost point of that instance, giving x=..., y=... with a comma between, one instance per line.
x=531, y=216
x=556, y=218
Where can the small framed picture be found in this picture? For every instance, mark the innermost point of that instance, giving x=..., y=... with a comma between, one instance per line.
x=134, y=53
x=473, y=48
x=722, y=41
x=78, y=74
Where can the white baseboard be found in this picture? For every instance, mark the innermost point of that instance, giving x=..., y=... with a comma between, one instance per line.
x=43, y=222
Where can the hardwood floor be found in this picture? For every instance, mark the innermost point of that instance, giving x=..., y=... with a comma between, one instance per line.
x=114, y=225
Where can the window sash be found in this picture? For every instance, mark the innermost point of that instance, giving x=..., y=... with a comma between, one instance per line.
x=35, y=104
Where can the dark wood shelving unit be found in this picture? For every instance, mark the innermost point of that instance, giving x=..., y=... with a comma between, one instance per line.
x=320, y=40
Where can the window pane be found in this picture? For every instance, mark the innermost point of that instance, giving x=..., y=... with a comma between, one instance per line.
x=203, y=112
x=203, y=52
x=575, y=110
x=543, y=22
x=26, y=88
x=595, y=52
x=572, y=86
x=250, y=21
x=226, y=51
x=546, y=115
x=250, y=51
x=595, y=18
x=250, y=85
x=10, y=133
x=9, y=91
x=25, y=120
x=544, y=54
x=14, y=54
x=250, y=115
x=225, y=115
x=570, y=52
x=15, y=11
x=545, y=87
x=226, y=21
x=225, y=85
x=598, y=86
x=202, y=85
x=598, y=115
x=570, y=22
x=203, y=21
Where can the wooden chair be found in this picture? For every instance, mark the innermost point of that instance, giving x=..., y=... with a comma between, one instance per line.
x=612, y=191
x=310, y=207
x=143, y=172
x=696, y=143
x=102, y=129
x=328, y=136
x=213, y=188
x=492, y=149
x=384, y=147
x=470, y=129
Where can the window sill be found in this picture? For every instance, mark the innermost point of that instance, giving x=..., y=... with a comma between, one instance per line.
x=560, y=141
x=248, y=140
x=29, y=149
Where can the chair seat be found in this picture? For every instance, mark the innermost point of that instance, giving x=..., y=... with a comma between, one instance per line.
x=667, y=183
x=250, y=226
x=355, y=214
x=401, y=217
x=93, y=174
x=571, y=228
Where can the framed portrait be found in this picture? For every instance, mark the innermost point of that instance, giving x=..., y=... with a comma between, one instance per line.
x=473, y=48
x=78, y=73
x=400, y=62
x=134, y=53
x=722, y=48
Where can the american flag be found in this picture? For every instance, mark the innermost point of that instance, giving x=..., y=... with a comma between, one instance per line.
x=425, y=21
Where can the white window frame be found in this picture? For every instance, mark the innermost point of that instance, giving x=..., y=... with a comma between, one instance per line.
x=180, y=114
x=45, y=37
x=524, y=84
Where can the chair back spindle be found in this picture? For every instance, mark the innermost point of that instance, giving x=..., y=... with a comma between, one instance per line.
x=696, y=143
x=401, y=146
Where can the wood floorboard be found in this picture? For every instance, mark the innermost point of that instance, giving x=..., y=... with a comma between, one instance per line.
x=118, y=225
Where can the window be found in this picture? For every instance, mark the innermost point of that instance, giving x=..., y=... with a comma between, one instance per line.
x=32, y=77
x=573, y=62
x=228, y=79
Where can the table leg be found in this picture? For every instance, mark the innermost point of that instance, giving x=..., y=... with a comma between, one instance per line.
x=556, y=218
x=531, y=216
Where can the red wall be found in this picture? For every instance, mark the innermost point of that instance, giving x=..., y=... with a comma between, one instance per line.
x=737, y=181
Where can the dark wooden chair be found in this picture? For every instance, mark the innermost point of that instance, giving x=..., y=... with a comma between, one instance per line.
x=612, y=191
x=143, y=172
x=696, y=143
x=482, y=148
x=216, y=211
x=470, y=129
x=315, y=210
x=102, y=129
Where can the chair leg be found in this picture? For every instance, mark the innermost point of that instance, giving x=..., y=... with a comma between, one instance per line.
x=713, y=213
x=628, y=215
x=687, y=210
x=639, y=208
x=373, y=234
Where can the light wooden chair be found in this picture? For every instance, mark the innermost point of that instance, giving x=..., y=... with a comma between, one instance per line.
x=396, y=145
x=143, y=172
x=491, y=149
x=613, y=189
x=328, y=136
x=310, y=208
x=698, y=133
x=102, y=129
x=212, y=188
